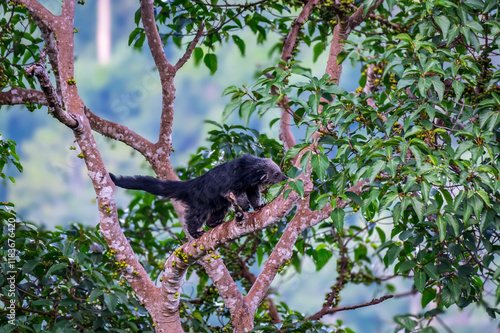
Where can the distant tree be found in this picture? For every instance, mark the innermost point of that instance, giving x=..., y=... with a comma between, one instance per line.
x=413, y=153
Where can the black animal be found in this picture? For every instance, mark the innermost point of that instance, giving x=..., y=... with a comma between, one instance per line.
x=209, y=196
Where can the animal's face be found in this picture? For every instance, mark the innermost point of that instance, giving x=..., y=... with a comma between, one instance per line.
x=273, y=174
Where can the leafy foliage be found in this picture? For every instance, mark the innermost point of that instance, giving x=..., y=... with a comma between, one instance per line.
x=65, y=280
x=8, y=155
x=19, y=45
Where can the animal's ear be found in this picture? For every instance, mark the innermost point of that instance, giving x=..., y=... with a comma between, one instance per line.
x=259, y=177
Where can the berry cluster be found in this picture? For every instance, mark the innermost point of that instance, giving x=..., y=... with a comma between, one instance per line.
x=286, y=263
x=3, y=76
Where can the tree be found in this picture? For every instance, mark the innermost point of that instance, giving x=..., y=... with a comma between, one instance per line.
x=417, y=145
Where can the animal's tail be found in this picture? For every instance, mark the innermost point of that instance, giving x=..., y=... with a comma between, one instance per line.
x=168, y=188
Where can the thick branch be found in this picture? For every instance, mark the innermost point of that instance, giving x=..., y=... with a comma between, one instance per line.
x=154, y=41
x=167, y=72
x=291, y=38
x=37, y=10
x=190, y=49
x=370, y=84
x=285, y=133
x=68, y=8
x=17, y=96
x=340, y=33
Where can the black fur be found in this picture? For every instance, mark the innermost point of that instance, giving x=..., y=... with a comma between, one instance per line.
x=208, y=197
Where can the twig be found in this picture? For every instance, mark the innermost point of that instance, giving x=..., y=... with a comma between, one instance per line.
x=190, y=49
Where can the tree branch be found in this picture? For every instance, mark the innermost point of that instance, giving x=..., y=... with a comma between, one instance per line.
x=285, y=134
x=37, y=10
x=190, y=49
x=120, y=133
x=16, y=96
x=161, y=160
x=291, y=38
x=154, y=41
x=341, y=32
x=53, y=101
x=370, y=84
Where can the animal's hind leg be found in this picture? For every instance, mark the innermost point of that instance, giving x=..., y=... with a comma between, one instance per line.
x=194, y=222
x=216, y=218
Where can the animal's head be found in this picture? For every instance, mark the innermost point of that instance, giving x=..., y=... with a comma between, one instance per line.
x=272, y=173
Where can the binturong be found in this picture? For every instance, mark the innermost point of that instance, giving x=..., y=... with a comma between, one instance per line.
x=209, y=196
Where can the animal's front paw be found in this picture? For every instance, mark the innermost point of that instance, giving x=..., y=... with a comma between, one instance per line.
x=239, y=216
x=259, y=207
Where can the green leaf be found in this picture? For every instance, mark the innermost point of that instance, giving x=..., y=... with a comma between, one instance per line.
x=462, y=148
x=453, y=222
x=428, y=295
x=317, y=50
x=426, y=190
x=320, y=164
x=419, y=279
x=455, y=288
x=438, y=86
x=198, y=55
x=459, y=87
x=391, y=255
x=406, y=322
x=210, y=61
x=418, y=207
x=374, y=170
x=341, y=57
x=417, y=155
x=111, y=301
x=441, y=224
x=297, y=186
x=30, y=265
x=423, y=85
x=388, y=199
x=56, y=267
x=322, y=256
x=484, y=196
x=230, y=107
x=431, y=271
x=354, y=197
x=239, y=43
x=475, y=26
x=444, y=24
x=198, y=316
x=338, y=219
x=404, y=37
x=406, y=266
x=95, y=294
x=452, y=34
